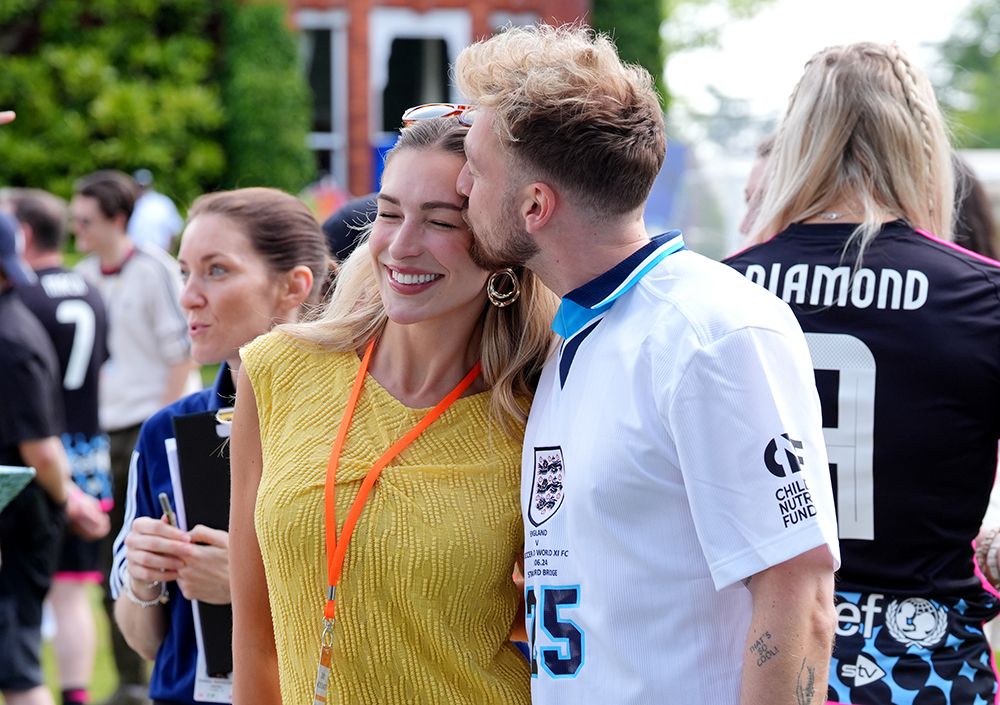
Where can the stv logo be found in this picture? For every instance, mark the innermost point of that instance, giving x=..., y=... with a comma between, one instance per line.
x=863, y=671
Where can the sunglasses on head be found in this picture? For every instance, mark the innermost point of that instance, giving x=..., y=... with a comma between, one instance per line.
x=433, y=111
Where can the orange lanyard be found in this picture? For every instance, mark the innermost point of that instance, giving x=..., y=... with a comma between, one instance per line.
x=336, y=550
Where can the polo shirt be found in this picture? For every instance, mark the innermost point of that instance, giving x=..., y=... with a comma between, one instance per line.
x=75, y=319
x=147, y=334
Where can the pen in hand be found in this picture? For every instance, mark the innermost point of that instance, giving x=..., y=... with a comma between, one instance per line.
x=168, y=511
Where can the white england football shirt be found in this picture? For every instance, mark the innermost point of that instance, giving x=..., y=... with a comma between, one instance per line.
x=674, y=447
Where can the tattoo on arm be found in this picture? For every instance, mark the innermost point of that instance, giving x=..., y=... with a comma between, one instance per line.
x=805, y=684
x=763, y=650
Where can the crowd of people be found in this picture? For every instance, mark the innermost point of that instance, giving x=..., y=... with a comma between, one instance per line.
x=492, y=442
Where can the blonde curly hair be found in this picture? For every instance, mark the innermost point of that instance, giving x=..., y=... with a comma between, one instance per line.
x=571, y=111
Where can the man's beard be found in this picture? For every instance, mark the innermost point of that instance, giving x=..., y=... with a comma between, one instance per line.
x=510, y=245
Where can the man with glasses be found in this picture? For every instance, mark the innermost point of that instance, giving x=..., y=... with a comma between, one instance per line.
x=149, y=364
x=680, y=536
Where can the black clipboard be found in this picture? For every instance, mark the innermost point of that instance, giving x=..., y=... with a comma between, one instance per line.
x=203, y=462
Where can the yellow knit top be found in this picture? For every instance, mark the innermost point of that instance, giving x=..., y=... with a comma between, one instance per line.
x=426, y=600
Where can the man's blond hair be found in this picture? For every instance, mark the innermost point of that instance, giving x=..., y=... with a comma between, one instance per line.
x=571, y=111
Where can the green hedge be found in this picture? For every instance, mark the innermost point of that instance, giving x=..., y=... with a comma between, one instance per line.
x=267, y=101
x=635, y=27
x=139, y=83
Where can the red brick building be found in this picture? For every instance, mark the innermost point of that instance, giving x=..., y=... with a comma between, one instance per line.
x=368, y=60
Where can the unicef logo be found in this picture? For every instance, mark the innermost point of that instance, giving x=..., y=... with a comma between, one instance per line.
x=916, y=622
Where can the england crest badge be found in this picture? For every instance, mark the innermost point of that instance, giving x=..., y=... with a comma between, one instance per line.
x=546, y=485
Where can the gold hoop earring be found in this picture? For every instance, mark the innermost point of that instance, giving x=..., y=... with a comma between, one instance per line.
x=510, y=292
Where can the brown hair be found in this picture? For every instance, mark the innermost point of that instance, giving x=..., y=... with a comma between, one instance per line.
x=280, y=227
x=446, y=134
x=975, y=226
x=570, y=110
x=43, y=211
x=115, y=191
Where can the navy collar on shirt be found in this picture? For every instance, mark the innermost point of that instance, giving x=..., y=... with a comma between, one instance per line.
x=586, y=302
x=581, y=309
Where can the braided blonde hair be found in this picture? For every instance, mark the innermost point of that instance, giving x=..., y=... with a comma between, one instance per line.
x=863, y=127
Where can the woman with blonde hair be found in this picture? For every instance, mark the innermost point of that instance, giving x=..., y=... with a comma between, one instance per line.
x=854, y=232
x=377, y=450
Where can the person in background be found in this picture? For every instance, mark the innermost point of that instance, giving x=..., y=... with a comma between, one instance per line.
x=155, y=220
x=250, y=258
x=420, y=352
x=74, y=318
x=149, y=362
x=975, y=230
x=678, y=519
x=854, y=231
x=346, y=226
x=753, y=190
x=31, y=526
x=975, y=226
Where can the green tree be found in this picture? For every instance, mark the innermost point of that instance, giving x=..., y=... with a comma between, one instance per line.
x=267, y=100
x=109, y=84
x=136, y=83
x=969, y=89
x=635, y=27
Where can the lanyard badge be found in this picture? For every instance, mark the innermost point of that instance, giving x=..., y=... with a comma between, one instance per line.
x=336, y=550
x=322, y=693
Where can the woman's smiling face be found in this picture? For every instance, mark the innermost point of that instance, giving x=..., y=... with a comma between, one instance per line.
x=420, y=241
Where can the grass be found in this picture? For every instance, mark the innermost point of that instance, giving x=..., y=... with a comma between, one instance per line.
x=208, y=373
x=105, y=678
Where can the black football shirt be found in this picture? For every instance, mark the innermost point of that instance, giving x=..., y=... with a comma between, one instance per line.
x=906, y=349
x=74, y=316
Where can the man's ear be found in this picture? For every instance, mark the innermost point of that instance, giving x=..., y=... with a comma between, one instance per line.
x=29, y=237
x=538, y=206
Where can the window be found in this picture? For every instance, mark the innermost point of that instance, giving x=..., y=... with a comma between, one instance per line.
x=418, y=73
x=323, y=47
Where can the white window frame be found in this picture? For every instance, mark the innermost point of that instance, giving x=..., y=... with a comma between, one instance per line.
x=388, y=23
x=335, y=141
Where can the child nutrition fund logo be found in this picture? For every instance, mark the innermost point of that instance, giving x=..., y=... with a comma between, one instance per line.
x=782, y=459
